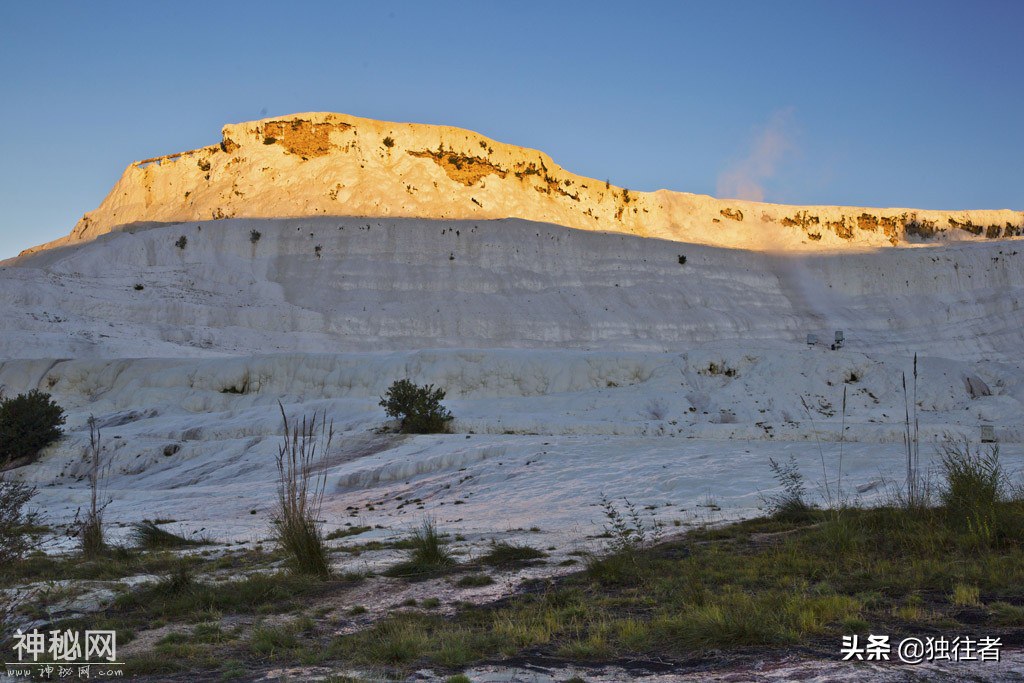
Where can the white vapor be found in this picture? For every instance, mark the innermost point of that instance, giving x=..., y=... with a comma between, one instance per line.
x=745, y=178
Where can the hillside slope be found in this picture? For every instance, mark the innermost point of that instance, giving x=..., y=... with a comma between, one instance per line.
x=319, y=164
x=328, y=285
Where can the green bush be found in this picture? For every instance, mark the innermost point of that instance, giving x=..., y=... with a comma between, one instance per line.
x=418, y=408
x=28, y=424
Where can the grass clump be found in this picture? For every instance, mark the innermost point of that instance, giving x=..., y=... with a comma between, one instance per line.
x=149, y=536
x=474, y=581
x=28, y=424
x=509, y=555
x=974, y=491
x=302, y=477
x=418, y=408
x=180, y=596
x=428, y=554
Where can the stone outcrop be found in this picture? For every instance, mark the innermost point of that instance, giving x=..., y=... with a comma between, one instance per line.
x=322, y=164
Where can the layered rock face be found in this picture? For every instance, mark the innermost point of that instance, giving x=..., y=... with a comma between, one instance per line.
x=322, y=164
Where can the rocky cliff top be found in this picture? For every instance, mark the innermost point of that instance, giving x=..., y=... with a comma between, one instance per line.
x=324, y=164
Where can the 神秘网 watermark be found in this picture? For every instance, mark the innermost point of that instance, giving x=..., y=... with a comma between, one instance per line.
x=63, y=654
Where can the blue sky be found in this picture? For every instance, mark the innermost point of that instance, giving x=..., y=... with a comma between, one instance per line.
x=917, y=104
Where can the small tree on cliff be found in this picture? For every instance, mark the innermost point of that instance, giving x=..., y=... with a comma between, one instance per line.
x=418, y=408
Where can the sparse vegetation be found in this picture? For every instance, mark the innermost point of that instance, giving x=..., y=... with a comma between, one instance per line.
x=182, y=242
x=28, y=424
x=389, y=142
x=417, y=407
x=719, y=369
x=254, y=236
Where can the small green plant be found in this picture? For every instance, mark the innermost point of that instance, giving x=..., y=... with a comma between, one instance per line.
x=965, y=595
x=791, y=503
x=15, y=522
x=28, y=424
x=302, y=478
x=417, y=407
x=182, y=242
x=254, y=236
x=389, y=142
x=627, y=531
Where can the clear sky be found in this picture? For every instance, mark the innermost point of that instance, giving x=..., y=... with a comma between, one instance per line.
x=910, y=104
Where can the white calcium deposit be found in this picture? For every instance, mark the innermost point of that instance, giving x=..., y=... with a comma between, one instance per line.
x=647, y=346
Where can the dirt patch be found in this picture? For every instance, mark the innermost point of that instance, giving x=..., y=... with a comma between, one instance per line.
x=461, y=168
x=228, y=145
x=301, y=137
x=840, y=228
x=966, y=226
x=734, y=214
x=866, y=221
x=801, y=219
x=924, y=229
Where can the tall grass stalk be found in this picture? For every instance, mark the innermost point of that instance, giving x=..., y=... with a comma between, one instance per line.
x=90, y=529
x=842, y=440
x=821, y=452
x=302, y=479
x=912, y=441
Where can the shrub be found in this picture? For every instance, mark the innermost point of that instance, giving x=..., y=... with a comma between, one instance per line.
x=28, y=423
x=389, y=142
x=182, y=242
x=302, y=477
x=418, y=408
x=254, y=236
